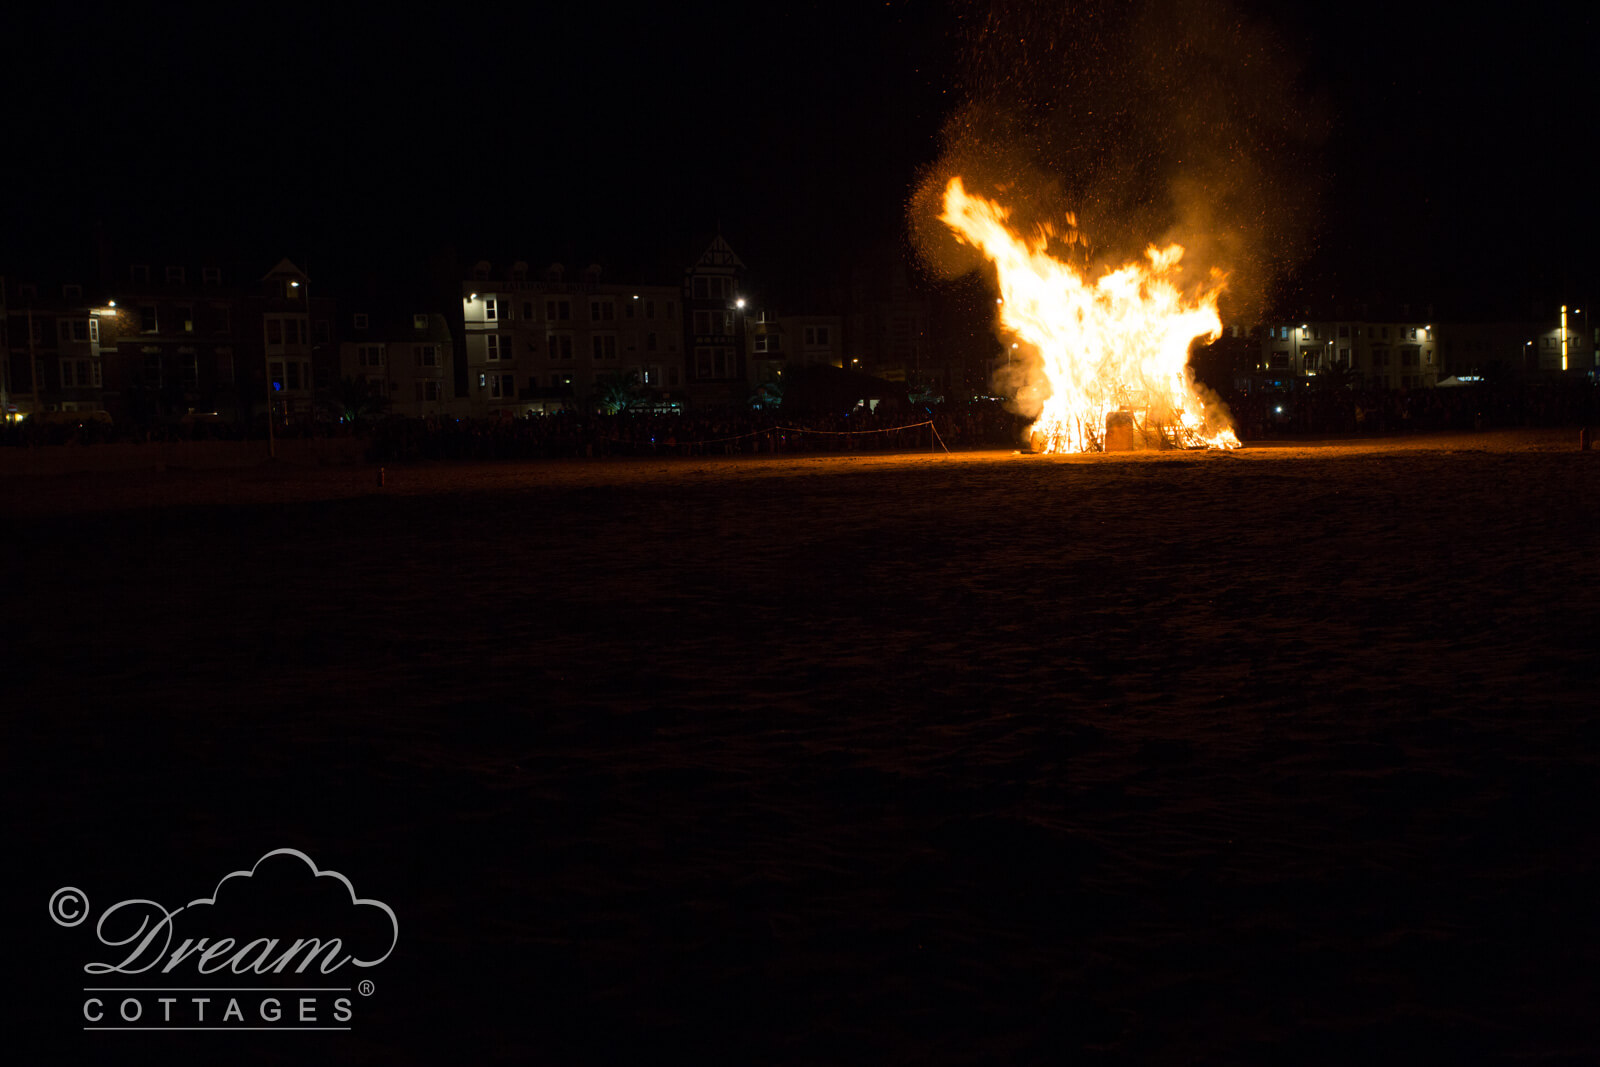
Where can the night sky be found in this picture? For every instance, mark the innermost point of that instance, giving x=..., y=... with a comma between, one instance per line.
x=1437, y=158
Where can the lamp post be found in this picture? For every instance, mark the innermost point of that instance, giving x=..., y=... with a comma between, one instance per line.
x=1563, y=338
x=266, y=357
x=33, y=365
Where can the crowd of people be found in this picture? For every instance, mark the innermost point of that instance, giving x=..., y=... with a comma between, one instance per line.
x=1257, y=415
x=1339, y=412
x=567, y=435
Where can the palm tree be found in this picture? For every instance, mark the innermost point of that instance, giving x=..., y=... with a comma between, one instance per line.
x=616, y=391
x=359, y=400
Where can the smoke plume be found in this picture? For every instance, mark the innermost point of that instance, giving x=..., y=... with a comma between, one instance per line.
x=1152, y=122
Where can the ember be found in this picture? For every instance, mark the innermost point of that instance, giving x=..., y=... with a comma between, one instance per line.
x=1111, y=369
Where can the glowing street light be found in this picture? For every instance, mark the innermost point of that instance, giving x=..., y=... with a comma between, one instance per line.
x=1563, y=338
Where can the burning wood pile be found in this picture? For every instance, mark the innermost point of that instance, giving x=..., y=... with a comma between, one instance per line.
x=1106, y=361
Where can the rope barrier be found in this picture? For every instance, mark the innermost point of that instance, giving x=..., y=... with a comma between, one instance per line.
x=851, y=433
x=831, y=433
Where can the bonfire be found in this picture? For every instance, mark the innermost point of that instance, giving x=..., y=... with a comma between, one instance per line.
x=1108, y=358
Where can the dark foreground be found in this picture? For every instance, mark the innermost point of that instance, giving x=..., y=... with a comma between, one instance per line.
x=1280, y=756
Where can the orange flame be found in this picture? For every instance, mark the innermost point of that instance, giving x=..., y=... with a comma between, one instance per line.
x=1113, y=352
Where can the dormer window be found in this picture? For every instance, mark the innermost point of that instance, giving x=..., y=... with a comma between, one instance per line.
x=211, y=275
x=360, y=320
x=420, y=322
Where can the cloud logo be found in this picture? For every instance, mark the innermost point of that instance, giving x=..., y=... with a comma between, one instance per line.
x=270, y=919
x=279, y=873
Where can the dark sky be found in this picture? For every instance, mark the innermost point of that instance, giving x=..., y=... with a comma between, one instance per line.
x=361, y=139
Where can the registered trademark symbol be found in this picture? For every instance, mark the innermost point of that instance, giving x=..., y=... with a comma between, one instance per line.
x=365, y=987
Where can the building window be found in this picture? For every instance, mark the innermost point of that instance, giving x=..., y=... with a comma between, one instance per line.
x=491, y=312
x=713, y=323
x=94, y=331
x=72, y=292
x=712, y=287
x=560, y=346
x=761, y=343
x=211, y=275
x=816, y=336
x=1344, y=331
x=702, y=363
x=494, y=347
x=223, y=317
x=274, y=331
x=650, y=342
x=427, y=355
x=360, y=320
x=427, y=391
x=191, y=371
x=369, y=356
x=293, y=368
x=186, y=316
x=87, y=373
x=602, y=311
x=527, y=309
x=605, y=346
x=147, y=319
x=558, y=310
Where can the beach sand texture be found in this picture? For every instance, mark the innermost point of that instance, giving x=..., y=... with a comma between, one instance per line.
x=1283, y=755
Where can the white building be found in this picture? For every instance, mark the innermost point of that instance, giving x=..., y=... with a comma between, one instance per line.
x=405, y=359
x=542, y=343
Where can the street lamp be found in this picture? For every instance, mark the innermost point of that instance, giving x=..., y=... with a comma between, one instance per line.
x=1563, y=338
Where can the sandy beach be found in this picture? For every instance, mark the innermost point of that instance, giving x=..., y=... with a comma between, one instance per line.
x=1283, y=755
